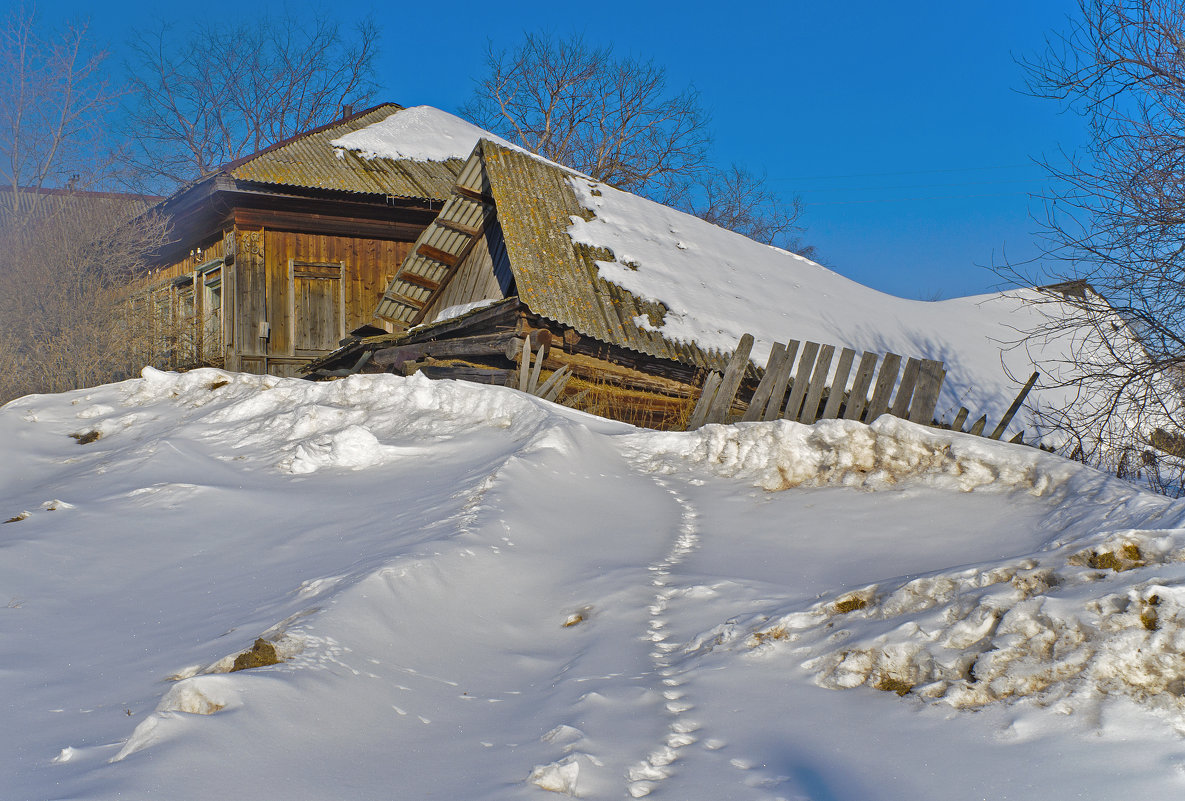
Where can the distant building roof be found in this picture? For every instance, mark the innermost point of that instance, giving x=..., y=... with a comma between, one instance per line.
x=48, y=202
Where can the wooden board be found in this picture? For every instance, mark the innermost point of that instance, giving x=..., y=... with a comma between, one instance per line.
x=733, y=375
x=909, y=380
x=858, y=397
x=764, y=389
x=773, y=407
x=1012, y=410
x=498, y=344
x=839, y=383
x=810, y=407
x=884, y=387
x=925, y=395
x=801, y=380
x=706, y=396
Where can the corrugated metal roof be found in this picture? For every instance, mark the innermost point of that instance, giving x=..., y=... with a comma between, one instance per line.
x=308, y=160
x=421, y=275
x=558, y=278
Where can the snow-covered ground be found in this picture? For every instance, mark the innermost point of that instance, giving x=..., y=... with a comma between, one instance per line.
x=480, y=595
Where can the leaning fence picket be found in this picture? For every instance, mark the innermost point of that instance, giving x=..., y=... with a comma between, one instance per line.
x=801, y=380
x=925, y=395
x=706, y=396
x=909, y=380
x=810, y=407
x=858, y=397
x=884, y=387
x=773, y=407
x=842, y=369
x=765, y=388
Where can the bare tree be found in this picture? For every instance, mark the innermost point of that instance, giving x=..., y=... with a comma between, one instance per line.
x=213, y=93
x=1114, y=225
x=67, y=256
x=612, y=118
x=740, y=201
x=54, y=101
x=72, y=313
x=617, y=120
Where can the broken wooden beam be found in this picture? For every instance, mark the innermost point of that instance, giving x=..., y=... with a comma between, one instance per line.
x=498, y=344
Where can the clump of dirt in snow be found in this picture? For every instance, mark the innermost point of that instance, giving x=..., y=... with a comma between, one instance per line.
x=261, y=654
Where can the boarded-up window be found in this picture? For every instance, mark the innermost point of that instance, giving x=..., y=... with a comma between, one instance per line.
x=318, y=312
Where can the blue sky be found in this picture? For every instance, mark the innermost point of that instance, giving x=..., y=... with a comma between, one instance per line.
x=900, y=125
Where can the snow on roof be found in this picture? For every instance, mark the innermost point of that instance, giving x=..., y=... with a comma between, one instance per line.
x=421, y=133
x=719, y=285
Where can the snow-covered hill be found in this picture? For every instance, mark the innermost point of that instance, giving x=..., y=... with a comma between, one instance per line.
x=480, y=595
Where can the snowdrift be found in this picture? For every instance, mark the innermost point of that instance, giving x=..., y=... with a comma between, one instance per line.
x=477, y=594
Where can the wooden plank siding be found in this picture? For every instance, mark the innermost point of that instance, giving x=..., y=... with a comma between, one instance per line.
x=316, y=288
x=258, y=285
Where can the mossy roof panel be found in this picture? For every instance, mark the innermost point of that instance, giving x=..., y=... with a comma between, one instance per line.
x=558, y=278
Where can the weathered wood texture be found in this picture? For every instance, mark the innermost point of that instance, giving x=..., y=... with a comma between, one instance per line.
x=760, y=399
x=838, y=382
x=473, y=280
x=734, y=373
x=773, y=407
x=801, y=380
x=308, y=288
x=819, y=392
x=700, y=413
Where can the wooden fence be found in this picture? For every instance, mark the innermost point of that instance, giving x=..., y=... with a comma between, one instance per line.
x=818, y=393
x=814, y=391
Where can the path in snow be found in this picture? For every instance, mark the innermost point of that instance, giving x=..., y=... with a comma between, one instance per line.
x=656, y=766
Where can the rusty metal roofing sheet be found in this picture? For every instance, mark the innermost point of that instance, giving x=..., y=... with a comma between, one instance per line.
x=308, y=160
x=558, y=278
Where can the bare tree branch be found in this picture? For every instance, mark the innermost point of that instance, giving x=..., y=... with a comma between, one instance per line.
x=1114, y=220
x=616, y=120
x=581, y=106
x=210, y=94
x=740, y=201
x=53, y=105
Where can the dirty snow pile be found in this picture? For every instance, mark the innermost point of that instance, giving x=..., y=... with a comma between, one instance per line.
x=388, y=587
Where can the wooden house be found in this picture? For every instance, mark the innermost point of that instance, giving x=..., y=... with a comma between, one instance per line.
x=408, y=240
x=507, y=263
x=496, y=266
x=277, y=256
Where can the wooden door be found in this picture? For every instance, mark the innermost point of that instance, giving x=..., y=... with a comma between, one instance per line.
x=318, y=315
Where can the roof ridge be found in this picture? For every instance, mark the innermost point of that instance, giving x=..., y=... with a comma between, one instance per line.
x=230, y=166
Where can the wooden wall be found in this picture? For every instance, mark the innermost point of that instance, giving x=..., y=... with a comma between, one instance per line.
x=271, y=267
x=260, y=285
